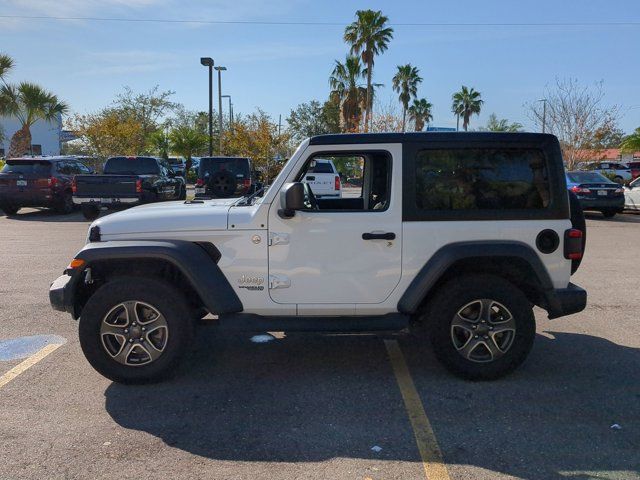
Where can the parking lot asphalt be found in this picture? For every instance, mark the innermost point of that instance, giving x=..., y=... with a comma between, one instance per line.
x=313, y=406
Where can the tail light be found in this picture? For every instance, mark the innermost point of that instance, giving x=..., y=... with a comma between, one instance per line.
x=138, y=186
x=577, y=189
x=246, y=183
x=573, y=244
x=199, y=182
x=74, y=185
x=337, y=185
x=619, y=190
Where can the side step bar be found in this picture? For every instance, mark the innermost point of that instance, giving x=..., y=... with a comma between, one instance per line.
x=248, y=322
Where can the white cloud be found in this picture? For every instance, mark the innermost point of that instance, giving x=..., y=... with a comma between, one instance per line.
x=130, y=61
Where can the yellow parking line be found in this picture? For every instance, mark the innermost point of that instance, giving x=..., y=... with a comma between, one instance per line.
x=28, y=363
x=434, y=466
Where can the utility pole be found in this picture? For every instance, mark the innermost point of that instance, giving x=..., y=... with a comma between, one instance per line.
x=220, y=69
x=279, y=123
x=208, y=62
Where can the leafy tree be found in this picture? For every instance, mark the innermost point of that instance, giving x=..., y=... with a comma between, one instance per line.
x=331, y=115
x=313, y=118
x=502, y=125
x=405, y=82
x=369, y=35
x=420, y=113
x=108, y=133
x=577, y=115
x=187, y=141
x=29, y=103
x=631, y=143
x=466, y=102
x=160, y=143
x=147, y=108
x=608, y=135
x=345, y=88
x=6, y=65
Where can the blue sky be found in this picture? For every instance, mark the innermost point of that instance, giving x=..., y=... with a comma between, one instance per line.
x=277, y=67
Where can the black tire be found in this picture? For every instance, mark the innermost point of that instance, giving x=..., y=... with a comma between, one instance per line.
x=463, y=293
x=64, y=204
x=9, y=209
x=609, y=213
x=578, y=222
x=223, y=184
x=183, y=193
x=162, y=297
x=90, y=212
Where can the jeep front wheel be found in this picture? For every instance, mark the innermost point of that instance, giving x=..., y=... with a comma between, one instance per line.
x=135, y=330
x=482, y=327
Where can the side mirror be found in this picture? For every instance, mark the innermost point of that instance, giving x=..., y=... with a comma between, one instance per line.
x=291, y=199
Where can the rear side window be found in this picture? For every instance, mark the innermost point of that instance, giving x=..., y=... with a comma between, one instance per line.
x=27, y=167
x=131, y=166
x=587, y=177
x=475, y=179
x=322, y=167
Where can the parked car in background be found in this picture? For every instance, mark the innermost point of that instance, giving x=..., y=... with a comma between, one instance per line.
x=178, y=165
x=39, y=182
x=620, y=172
x=127, y=181
x=634, y=167
x=224, y=177
x=324, y=179
x=632, y=195
x=596, y=192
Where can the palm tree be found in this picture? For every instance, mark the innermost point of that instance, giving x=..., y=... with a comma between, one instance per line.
x=494, y=124
x=160, y=143
x=405, y=82
x=420, y=113
x=29, y=103
x=186, y=141
x=6, y=65
x=345, y=86
x=369, y=36
x=466, y=102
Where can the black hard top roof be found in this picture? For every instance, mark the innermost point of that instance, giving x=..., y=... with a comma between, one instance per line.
x=224, y=158
x=361, y=138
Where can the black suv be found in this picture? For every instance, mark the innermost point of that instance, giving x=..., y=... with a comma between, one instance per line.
x=39, y=182
x=224, y=177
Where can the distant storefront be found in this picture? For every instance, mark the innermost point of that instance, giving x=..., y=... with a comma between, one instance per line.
x=45, y=136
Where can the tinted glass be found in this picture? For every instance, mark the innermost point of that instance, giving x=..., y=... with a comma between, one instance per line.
x=322, y=167
x=131, y=166
x=481, y=179
x=27, y=167
x=587, y=177
x=237, y=166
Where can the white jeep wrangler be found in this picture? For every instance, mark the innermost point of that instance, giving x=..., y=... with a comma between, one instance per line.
x=456, y=234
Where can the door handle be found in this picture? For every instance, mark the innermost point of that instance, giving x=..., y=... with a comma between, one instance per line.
x=379, y=236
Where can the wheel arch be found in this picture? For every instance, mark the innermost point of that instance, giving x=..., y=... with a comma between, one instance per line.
x=514, y=261
x=190, y=267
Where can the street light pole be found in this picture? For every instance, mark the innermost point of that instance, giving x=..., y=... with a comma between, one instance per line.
x=544, y=114
x=230, y=113
x=208, y=62
x=220, y=69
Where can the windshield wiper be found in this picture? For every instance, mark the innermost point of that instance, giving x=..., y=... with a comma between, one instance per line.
x=245, y=201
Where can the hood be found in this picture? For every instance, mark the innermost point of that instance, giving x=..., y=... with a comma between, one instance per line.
x=168, y=217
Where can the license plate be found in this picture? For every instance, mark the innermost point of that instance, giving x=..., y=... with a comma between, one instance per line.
x=200, y=190
x=602, y=193
x=21, y=183
x=106, y=200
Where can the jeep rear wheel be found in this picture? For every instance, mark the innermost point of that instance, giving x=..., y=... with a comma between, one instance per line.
x=135, y=330
x=481, y=326
x=90, y=212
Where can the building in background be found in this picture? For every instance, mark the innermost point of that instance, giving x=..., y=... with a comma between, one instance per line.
x=45, y=136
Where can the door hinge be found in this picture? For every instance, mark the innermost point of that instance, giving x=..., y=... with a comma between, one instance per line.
x=279, y=281
x=278, y=238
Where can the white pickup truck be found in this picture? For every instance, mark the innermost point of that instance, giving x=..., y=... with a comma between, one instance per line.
x=324, y=179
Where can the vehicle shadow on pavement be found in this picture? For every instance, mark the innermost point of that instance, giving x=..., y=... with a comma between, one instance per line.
x=311, y=398
x=552, y=418
x=619, y=218
x=297, y=399
x=47, y=216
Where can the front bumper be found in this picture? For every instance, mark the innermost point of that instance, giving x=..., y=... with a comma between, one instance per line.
x=565, y=301
x=61, y=294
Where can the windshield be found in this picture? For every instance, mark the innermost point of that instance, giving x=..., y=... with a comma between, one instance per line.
x=175, y=161
x=237, y=166
x=131, y=166
x=587, y=177
x=23, y=167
